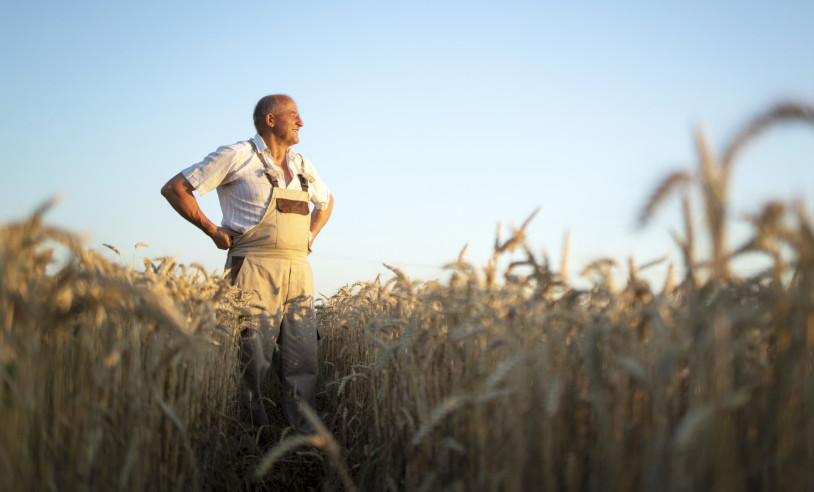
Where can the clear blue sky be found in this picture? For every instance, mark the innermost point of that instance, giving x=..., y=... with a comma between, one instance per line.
x=430, y=121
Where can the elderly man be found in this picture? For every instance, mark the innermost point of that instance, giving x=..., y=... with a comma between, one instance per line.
x=264, y=189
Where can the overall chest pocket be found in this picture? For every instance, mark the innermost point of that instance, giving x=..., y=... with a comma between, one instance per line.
x=288, y=206
x=293, y=223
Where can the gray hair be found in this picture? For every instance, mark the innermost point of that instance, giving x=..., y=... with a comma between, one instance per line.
x=266, y=105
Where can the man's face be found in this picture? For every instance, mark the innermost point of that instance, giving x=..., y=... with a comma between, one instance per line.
x=287, y=123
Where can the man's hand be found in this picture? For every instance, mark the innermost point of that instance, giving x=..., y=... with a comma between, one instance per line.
x=223, y=237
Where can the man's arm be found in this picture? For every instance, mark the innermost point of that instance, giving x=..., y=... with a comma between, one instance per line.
x=319, y=218
x=178, y=191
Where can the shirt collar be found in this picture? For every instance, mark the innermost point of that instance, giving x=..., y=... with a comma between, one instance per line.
x=258, y=141
x=261, y=146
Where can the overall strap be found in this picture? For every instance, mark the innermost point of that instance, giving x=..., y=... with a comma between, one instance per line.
x=269, y=175
x=303, y=182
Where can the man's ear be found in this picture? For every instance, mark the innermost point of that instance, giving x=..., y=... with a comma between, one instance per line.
x=270, y=120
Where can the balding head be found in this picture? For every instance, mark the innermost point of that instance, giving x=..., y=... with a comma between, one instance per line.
x=268, y=105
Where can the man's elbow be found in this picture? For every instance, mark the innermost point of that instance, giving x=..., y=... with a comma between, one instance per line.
x=174, y=187
x=166, y=190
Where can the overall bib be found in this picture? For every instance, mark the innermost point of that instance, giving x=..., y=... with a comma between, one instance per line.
x=269, y=264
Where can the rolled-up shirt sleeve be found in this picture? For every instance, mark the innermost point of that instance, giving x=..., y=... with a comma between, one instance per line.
x=214, y=170
x=320, y=194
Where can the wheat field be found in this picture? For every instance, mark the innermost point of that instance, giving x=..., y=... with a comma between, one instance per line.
x=122, y=378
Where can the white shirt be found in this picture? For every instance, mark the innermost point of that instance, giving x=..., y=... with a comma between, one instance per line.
x=243, y=189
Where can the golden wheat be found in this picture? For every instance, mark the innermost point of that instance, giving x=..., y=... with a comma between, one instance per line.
x=114, y=378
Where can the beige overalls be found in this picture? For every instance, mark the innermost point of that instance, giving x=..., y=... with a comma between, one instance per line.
x=269, y=263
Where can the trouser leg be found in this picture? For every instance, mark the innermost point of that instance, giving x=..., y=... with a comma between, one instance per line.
x=298, y=349
x=253, y=354
x=298, y=372
x=252, y=362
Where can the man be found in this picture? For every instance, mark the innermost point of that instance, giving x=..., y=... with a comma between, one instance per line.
x=264, y=188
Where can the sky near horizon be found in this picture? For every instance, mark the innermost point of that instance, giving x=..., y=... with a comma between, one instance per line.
x=431, y=122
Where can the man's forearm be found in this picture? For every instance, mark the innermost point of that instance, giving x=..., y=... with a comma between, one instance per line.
x=320, y=217
x=178, y=192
